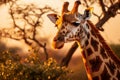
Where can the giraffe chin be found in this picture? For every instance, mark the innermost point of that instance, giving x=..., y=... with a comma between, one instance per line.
x=57, y=45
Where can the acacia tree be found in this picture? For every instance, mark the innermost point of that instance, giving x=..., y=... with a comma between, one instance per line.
x=26, y=21
x=109, y=9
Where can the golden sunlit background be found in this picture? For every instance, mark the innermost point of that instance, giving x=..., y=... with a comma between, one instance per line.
x=26, y=35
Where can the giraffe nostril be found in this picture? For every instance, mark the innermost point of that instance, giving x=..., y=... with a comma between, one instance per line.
x=59, y=38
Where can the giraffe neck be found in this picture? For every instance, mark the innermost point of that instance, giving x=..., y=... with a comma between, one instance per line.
x=100, y=63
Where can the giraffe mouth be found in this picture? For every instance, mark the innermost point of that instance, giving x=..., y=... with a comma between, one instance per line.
x=57, y=44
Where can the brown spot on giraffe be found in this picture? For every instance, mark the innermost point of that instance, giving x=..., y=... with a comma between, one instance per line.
x=113, y=79
x=96, y=78
x=89, y=51
x=78, y=34
x=111, y=66
x=105, y=75
x=86, y=43
x=63, y=28
x=118, y=75
x=95, y=63
x=102, y=52
x=92, y=32
x=94, y=44
x=88, y=35
x=66, y=24
x=87, y=26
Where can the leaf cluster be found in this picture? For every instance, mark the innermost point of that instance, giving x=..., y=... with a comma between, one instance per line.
x=13, y=67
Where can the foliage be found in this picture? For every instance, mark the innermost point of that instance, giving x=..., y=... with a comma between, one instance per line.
x=13, y=67
x=116, y=49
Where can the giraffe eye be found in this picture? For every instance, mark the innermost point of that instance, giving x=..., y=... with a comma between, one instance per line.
x=76, y=24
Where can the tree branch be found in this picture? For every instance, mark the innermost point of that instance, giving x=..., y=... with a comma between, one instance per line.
x=112, y=10
x=67, y=58
x=102, y=6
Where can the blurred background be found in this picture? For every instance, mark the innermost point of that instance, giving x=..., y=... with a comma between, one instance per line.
x=25, y=29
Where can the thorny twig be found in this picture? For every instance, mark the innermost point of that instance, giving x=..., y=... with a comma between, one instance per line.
x=102, y=6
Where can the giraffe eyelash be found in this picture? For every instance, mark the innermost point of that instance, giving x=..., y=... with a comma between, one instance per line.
x=75, y=24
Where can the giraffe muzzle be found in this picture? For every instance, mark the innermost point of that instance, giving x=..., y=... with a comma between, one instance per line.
x=58, y=42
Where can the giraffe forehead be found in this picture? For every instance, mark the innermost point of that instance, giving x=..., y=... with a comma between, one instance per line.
x=68, y=17
x=69, y=27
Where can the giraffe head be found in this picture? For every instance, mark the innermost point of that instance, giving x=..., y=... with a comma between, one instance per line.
x=70, y=24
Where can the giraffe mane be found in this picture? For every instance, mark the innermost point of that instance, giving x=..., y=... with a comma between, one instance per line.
x=105, y=45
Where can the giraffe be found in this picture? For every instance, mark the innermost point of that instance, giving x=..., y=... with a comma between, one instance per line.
x=99, y=60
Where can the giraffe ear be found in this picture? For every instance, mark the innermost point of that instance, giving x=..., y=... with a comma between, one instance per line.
x=88, y=13
x=53, y=17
